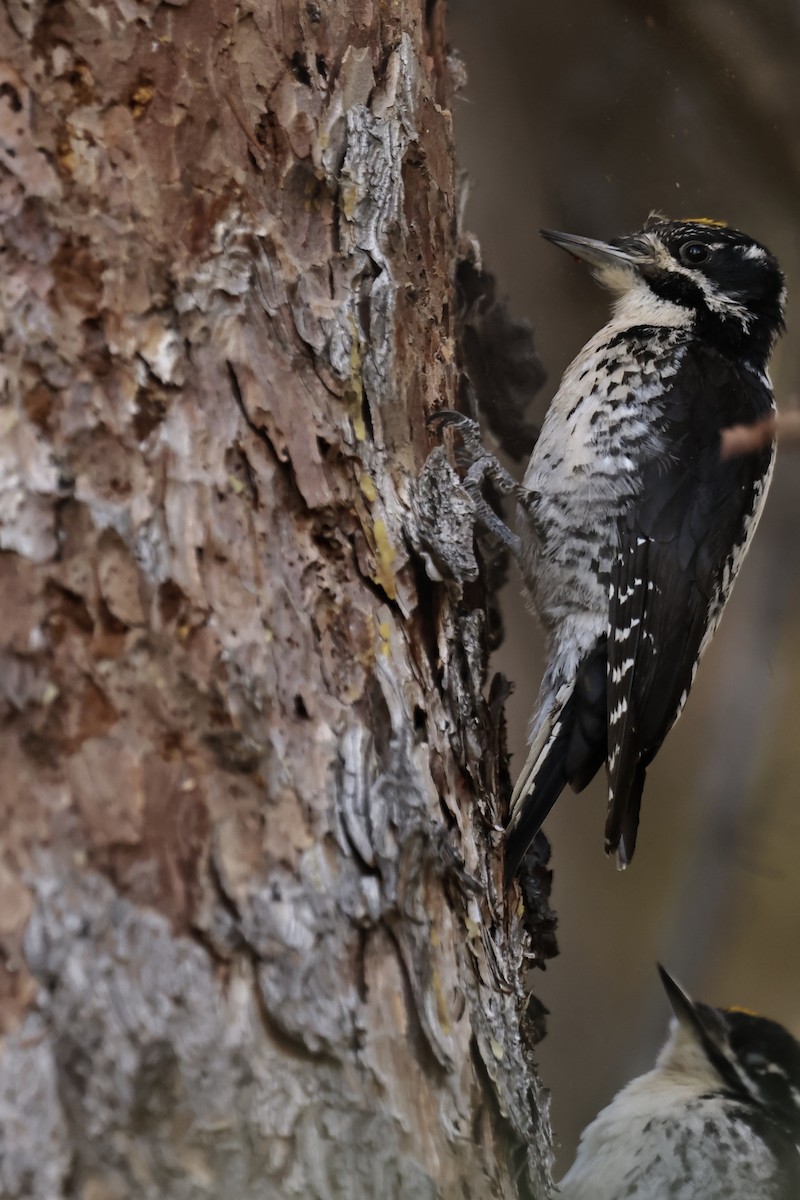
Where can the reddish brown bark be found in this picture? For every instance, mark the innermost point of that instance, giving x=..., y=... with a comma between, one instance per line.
x=252, y=943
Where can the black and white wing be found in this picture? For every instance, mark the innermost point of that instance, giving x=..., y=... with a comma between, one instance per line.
x=681, y=544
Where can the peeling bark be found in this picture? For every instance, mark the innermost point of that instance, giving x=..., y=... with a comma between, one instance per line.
x=253, y=942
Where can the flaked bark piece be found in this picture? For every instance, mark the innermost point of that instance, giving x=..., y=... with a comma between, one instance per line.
x=499, y=357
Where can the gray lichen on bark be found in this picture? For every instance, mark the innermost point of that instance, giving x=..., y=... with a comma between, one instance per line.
x=252, y=938
x=441, y=523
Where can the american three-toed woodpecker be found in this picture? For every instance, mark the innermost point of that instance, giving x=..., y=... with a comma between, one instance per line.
x=631, y=525
x=718, y=1117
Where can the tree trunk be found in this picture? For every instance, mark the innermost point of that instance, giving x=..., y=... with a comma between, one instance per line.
x=253, y=938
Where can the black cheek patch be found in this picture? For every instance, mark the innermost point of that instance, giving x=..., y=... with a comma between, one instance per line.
x=735, y=276
x=677, y=288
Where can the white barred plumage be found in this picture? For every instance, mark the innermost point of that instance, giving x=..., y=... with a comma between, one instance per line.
x=631, y=527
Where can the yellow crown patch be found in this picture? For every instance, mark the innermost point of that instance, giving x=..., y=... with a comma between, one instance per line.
x=735, y=1008
x=705, y=221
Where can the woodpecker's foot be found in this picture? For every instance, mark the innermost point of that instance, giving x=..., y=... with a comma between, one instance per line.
x=478, y=465
x=475, y=459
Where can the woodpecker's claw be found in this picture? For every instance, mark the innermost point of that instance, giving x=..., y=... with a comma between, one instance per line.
x=465, y=426
x=445, y=416
x=478, y=464
x=471, y=450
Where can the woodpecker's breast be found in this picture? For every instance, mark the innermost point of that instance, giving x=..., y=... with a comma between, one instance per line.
x=602, y=425
x=660, y=1138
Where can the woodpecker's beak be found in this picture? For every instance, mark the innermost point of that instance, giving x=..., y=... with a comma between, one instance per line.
x=698, y=1019
x=681, y=1004
x=599, y=255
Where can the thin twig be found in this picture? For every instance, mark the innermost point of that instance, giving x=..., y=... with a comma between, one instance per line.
x=749, y=439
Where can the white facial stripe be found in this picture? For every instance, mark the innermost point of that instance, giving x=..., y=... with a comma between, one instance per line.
x=749, y=1084
x=715, y=300
x=726, y=305
x=755, y=253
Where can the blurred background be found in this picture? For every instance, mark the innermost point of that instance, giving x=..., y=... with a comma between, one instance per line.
x=584, y=117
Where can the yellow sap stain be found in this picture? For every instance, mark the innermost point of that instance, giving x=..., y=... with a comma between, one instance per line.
x=385, y=634
x=384, y=557
x=141, y=99
x=65, y=155
x=367, y=486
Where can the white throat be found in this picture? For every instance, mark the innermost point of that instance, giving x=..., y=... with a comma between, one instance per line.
x=638, y=305
x=683, y=1056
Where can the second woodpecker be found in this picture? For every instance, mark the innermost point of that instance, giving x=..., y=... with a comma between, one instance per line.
x=633, y=526
x=718, y=1117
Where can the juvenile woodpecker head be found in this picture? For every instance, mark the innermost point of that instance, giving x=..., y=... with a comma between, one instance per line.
x=730, y=285
x=754, y=1058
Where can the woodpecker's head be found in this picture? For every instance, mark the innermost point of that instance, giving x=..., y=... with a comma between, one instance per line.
x=752, y=1057
x=729, y=286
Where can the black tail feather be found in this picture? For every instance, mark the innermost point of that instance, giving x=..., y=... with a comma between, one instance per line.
x=622, y=824
x=575, y=756
x=533, y=809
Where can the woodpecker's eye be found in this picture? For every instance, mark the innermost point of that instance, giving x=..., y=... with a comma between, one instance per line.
x=693, y=253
